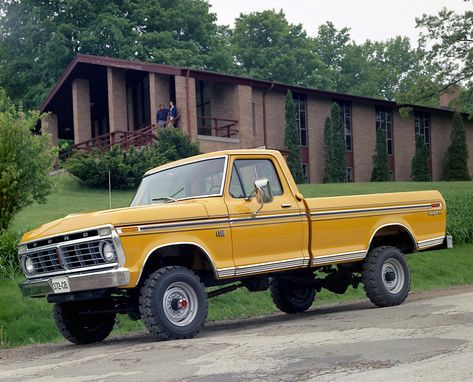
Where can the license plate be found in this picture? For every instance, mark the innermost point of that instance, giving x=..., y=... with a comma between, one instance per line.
x=60, y=285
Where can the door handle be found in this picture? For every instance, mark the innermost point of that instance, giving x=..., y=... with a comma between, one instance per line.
x=286, y=205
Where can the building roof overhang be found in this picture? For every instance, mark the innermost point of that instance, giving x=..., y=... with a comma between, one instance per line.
x=214, y=76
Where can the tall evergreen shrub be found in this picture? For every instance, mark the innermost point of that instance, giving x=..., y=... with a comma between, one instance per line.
x=380, y=171
x=456, y=160
x=291, y=140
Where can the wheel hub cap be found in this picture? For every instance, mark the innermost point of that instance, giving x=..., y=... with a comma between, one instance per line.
x=393, y=276
x=180, y=303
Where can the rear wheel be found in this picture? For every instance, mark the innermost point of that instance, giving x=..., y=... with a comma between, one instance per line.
x=386, y=276
x=173, y=303
x=291, y=297
x=80, y=327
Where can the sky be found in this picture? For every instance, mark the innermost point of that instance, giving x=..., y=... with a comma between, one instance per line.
x=367, y=19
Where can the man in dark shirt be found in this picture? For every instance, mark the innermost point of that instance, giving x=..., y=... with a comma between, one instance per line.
x=172, y=114
x=162, y=116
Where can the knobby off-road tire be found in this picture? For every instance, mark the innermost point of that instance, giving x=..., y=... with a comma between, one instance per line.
x=386, y=276
x=290, y=297
x=82, y=328
x=173, y=303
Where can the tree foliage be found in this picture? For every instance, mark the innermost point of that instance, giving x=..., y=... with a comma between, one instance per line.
x=39, y=39
x=456, y=161
x=291, y=140
x=334, y=147
x=450, y=36
x=421, y=161
x=25, y=161
x=380, y=171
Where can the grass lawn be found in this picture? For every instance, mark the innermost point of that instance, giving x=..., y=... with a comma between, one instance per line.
x=26, y=321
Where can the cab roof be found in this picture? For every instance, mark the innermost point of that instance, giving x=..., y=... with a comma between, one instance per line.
x=215, y=154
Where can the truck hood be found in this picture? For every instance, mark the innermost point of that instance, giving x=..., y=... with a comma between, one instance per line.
x=156, y=213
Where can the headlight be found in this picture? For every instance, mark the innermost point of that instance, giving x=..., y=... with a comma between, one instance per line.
x=107, y=251
x=107, y=231
x=28, y=265
x=22, y=248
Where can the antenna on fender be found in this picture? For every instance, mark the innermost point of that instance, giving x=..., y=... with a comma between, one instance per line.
x=109, y=190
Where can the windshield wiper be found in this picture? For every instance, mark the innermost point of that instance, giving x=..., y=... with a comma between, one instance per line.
x=168, y=199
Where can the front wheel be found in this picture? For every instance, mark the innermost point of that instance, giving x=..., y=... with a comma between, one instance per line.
x=173, y=303
x=80, y=327
x=386, y=276
x=291, y=297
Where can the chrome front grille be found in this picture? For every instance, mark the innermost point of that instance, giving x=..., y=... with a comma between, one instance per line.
x=82, y=255
x=47, y=261
x=65, y=257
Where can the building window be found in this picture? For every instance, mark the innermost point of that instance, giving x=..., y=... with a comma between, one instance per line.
x=305, y=172
x=345, y=109
x=300, y=105
x=349, y=174
x=384, y=121
x=422, y=126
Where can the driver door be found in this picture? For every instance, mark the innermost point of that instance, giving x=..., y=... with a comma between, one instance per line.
x=273, y=238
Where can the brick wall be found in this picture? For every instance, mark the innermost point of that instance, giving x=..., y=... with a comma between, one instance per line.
x=117, y=101
x=318, y=109
x=49, y=126
x=186, y=108
x=81, y=110
x=364, y=140
x=404, y=145
x=258, y=133
x=275, y=119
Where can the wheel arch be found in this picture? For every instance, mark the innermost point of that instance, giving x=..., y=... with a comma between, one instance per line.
x=172, y=254
x=395, y=234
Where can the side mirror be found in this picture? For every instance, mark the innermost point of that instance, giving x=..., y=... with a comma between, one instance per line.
x=263, y=191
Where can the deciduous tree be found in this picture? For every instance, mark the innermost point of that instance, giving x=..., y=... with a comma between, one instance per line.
x=25, y=161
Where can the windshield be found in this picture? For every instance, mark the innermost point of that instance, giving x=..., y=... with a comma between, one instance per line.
x=203, y=178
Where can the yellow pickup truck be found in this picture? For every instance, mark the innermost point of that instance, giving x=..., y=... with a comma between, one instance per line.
x=221, y=221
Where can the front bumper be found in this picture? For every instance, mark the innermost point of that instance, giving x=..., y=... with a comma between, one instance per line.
x=78, y=282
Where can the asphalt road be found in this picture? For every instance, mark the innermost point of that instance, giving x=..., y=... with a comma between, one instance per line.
x=428, y=338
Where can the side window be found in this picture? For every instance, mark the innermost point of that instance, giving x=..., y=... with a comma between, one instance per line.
x=246, y=171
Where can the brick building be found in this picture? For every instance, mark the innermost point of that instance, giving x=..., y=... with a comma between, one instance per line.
x=100, y=99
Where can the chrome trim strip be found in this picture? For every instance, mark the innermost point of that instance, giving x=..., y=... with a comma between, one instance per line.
x=211, y=222
x=262, y=267
x=347, y=256
x=430, y=242
x=80, y=282
x=373, y=209
x=170, y=245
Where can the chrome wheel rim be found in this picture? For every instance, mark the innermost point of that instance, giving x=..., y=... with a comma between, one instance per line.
x=180, y=303
x=393, y=276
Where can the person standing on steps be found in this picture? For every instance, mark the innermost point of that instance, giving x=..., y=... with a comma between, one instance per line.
x=172, y=114
x=162, y=116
